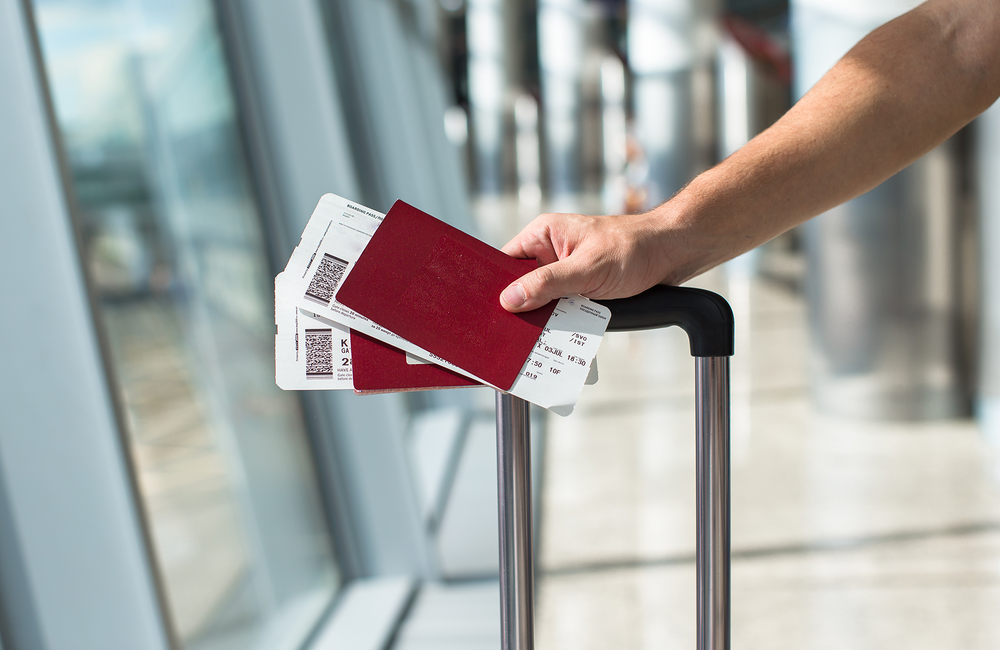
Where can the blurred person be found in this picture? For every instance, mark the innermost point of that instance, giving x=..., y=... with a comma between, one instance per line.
x=636, y=174
x=901, y=91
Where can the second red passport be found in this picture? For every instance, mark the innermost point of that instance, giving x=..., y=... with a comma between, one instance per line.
x=380, y=368
x=439, y=288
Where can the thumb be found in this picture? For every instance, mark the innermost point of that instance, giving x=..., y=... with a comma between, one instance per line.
x=542, y=285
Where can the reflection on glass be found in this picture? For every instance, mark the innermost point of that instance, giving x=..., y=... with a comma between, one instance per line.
x=173, y=241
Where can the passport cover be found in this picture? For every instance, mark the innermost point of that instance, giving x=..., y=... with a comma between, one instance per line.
x=380, y=368
x=439, y=288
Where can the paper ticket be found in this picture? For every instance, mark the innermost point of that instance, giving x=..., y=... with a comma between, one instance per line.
x=310, y=353
x=334, y=239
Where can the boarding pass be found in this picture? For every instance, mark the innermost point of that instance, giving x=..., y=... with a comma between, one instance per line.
x=310, y=352
x=335, y=238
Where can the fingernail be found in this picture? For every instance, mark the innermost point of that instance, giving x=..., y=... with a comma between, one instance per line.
x=514, y=295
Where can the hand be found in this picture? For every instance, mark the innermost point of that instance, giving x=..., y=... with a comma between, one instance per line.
x=598, y=257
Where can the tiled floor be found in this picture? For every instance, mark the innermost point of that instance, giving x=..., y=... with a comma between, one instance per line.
x=845, y=534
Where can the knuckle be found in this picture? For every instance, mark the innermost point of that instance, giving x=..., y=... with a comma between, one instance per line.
x=542, y=277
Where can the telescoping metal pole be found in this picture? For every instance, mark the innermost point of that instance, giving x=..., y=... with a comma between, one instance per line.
x=712, y=465
x=708, y=320
x=514, y=487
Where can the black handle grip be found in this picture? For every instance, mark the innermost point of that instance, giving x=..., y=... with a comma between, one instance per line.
x=705, y=316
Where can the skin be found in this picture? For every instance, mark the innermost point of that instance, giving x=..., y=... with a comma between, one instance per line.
x=901, y=91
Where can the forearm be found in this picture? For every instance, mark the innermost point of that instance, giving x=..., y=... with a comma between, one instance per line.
x=901, y=91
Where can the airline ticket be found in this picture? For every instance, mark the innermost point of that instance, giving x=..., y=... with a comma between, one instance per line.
x=310, y=353
x=335, y=238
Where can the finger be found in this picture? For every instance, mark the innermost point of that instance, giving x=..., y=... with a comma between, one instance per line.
x=531, y=247
x=536, y=239
x=515, y=247
x=542, y=285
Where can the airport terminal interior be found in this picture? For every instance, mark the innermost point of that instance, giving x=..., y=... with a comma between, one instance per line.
x=158, y=162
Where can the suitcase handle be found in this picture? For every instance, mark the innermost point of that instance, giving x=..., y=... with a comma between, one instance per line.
x=708, y=320
x=705, y=316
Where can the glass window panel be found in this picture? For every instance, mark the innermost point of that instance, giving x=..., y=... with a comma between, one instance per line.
x=173, y=241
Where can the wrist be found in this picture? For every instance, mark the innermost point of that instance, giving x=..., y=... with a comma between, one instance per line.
x=689, y=238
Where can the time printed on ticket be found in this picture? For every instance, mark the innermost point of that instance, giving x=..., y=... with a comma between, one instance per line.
x=561, y=362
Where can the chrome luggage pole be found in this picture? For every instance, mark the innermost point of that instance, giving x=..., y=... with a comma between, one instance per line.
x=713, y=494
x=708, y=320
x=517, y=593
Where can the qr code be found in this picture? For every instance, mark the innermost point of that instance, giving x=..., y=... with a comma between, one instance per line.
x=319, y=354
x=328, y=275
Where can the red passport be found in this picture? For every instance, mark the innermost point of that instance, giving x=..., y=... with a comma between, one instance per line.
x=439, y=288
x=380, y=368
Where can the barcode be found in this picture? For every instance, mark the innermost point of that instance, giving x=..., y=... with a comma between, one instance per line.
x=319, y=354
x=328, y=275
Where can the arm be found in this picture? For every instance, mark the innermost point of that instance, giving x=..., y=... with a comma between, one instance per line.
x=897, y=94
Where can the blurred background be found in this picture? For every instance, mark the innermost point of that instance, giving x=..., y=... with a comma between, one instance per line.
x=158, y=160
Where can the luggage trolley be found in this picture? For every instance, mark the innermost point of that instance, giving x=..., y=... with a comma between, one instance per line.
x=708, y=321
